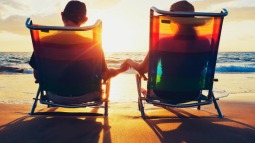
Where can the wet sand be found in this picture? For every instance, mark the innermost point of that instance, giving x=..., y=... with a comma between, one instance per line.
x=124, y=124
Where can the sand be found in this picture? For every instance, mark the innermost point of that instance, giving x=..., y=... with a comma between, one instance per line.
x=124, y=124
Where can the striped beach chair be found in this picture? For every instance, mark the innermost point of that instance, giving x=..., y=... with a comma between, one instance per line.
x=182, y=58
x=68, y=65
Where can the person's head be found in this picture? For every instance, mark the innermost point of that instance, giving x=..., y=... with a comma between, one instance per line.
x=74, y=13
x=192, y=21
x=184, y=25
x=183, y=5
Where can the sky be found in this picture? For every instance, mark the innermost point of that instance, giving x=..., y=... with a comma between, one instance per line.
x=125, y=22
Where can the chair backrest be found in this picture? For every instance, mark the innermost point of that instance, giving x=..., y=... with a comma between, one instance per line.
x=68, y=59
x=183, y=50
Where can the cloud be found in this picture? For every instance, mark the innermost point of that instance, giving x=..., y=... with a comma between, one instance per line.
x=99, y=4
x=16, y=24
x=29, y=7
x=13, y=14
x=13, y=24
x=2, y=10
x=247, y=37
x=237, y=12
x=241, y=14
x=10, y=7
x=13, y=3
x=206, y=4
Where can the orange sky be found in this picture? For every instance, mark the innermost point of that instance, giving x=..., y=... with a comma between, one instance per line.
x=125, y=22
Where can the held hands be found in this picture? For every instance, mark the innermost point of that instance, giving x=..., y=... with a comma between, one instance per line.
x=131, y=64
x=111, y=72
x=128, y=63
x=134, y=65
x=125, y=65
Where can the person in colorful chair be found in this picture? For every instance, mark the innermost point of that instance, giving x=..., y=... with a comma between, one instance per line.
x=185, y=39
x=74, y=15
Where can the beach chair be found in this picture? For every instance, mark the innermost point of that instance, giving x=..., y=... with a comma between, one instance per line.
x=68, y=65
x=183, y=51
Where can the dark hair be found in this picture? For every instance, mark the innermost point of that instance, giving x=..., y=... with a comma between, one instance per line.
x=182, y=6
x=75, y=11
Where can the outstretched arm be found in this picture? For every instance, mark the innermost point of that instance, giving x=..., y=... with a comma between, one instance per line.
x=139, y=67
x=111, y=72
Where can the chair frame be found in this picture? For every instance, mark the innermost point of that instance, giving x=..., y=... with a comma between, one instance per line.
x=210, y=97
x=41, y=92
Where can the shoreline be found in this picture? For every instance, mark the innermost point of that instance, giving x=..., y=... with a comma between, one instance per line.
x=21, y=89
x=15, y=87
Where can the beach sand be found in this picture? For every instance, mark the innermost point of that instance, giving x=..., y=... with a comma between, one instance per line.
x=124, y=124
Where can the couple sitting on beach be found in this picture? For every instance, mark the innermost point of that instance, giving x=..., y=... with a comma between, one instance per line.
x=74, y=15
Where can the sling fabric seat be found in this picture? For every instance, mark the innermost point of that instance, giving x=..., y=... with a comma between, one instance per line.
x=69, y=63
x=183, y=52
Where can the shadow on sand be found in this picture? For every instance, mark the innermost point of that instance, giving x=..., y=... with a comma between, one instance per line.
x=184, y=126
x=57, y=127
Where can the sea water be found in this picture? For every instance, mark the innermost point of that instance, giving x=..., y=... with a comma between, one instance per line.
x=227, y=62
x=16, y=63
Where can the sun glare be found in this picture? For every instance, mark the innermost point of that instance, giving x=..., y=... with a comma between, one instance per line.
x=120, y=35
x=112, y=37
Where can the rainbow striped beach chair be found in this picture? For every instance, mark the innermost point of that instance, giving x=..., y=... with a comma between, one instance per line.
x=68, y=65
x=182, y=59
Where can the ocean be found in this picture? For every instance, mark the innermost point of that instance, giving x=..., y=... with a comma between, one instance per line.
x=227, y=62
x=17, y=83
